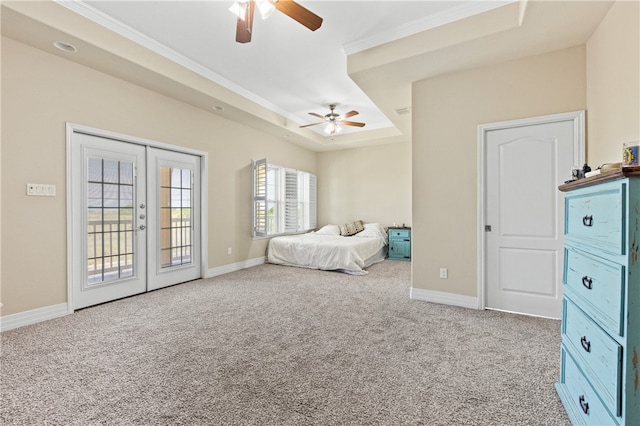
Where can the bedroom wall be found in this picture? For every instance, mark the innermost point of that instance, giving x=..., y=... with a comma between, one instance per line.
x=446, y=112
x=372, y=184
x=613, y=83
x=40, y=93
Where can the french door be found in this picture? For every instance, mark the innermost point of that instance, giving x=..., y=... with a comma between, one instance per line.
x=173, y=216
x=134, y=218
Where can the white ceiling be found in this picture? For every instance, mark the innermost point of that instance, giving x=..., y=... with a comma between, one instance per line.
x=365, y=56
x=286, y=67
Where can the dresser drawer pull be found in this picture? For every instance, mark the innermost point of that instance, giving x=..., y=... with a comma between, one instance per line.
x=586, y=345
x=587, y=220
x=583, y=404
x=587, y=282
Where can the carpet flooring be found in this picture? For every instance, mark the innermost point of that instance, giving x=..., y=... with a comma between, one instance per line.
x=275, y=345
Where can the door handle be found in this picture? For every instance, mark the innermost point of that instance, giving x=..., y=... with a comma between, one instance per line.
x=587, y=220
x=587, y=282
x=586, y=345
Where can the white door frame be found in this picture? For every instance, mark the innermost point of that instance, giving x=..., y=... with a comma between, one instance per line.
x=578, y=118
x=72, y=128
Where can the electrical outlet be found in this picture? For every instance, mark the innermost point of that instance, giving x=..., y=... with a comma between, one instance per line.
x=229, y=250
x=444, y=273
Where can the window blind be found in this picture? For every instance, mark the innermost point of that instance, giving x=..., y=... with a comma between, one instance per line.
x=259, y=198
x=292, y=200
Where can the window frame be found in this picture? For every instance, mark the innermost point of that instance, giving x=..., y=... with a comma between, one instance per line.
x=293, y=199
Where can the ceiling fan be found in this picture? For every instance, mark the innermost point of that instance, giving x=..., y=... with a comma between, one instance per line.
x=334, y=120
x=243, y=9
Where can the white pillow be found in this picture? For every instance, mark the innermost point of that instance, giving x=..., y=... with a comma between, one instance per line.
x=372, y=230
x=329, y=230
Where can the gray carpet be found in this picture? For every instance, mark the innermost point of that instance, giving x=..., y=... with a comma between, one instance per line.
x=274, y=345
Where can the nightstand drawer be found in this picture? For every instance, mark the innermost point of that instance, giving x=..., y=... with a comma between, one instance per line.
x=596, y=217
x=599, y=352
x=579, y=397
x=399, y=233
x=597, y=285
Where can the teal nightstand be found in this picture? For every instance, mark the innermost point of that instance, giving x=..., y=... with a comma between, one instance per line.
x=400, y=244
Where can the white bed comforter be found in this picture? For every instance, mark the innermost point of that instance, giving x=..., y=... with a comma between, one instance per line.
x=329, y=252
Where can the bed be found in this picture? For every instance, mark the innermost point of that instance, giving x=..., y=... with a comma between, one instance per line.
x=327, y=249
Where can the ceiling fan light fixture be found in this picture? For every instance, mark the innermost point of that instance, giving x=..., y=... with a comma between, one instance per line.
x=239, y=8
x=332, y=128
x=265, y=7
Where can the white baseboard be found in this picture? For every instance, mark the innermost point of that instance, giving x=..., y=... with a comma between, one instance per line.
x=232, y=267
x=444, y=298
x=33, y=316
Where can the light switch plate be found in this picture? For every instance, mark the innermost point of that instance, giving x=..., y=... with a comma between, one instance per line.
x=41, y=190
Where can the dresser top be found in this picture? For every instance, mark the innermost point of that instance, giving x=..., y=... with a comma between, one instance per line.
x=607, y=176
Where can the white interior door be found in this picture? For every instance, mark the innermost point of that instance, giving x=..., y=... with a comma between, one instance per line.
x=524, y=215
x=174, y=218
x=134, y=218
x=108, y=244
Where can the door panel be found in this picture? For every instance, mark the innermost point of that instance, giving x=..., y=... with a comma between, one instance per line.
x=109, y=255
x=174, y=218
x=524, y=208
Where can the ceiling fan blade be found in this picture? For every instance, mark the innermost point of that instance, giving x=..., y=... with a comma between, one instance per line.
x=244, y=28
x=309, y=125
x=352, y=123
x=299, y=13
x=317, y=115
x=350, y=114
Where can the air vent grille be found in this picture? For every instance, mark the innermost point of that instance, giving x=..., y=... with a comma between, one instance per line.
x=403, y=111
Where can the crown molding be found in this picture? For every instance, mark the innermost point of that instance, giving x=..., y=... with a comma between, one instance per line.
x=464, y=10
x=87, y=11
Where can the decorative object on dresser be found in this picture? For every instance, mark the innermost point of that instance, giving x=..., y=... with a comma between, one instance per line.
x=399, y=243
x=599, y=375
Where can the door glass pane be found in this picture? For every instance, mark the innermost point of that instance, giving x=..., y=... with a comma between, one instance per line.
x=110, y=236
x=175, y=217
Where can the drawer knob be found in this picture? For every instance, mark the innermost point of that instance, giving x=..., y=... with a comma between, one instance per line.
x=586, y=345
x=587, y=282
x=587, y=220
x=583, y=404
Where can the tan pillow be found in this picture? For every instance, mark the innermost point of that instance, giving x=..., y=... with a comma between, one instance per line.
x=351, y=228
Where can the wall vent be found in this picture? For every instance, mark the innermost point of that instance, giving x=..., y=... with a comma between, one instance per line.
x=403, y=111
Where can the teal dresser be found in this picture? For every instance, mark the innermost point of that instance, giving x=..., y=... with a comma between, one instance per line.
x=599, y=372
x=400, y=243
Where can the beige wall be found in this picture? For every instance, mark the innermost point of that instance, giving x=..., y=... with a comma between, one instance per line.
x=372, y=184
x=40, y=92
x=446, y=113
x=613, y=83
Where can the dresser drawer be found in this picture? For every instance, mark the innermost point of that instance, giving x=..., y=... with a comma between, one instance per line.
x=599, y=354
x=399, y=233
x=596, y=217
x=597, y=285
x=579, y=397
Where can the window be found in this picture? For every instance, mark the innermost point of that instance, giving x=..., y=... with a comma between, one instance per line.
x=284, y=200
x=176, y=227
x=110, y=234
